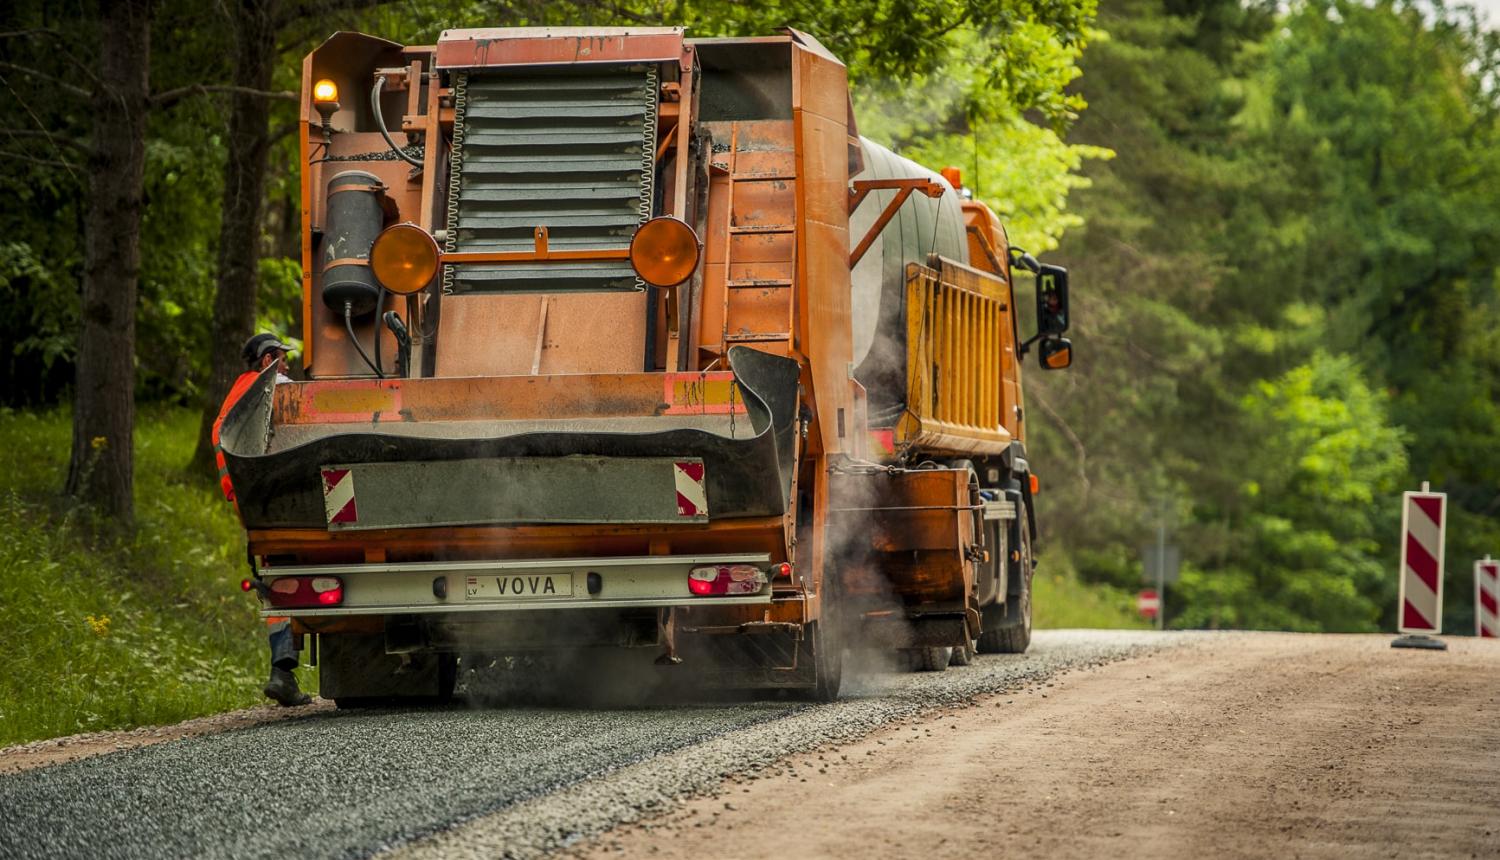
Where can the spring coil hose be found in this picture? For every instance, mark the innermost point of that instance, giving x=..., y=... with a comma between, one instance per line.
x=455, y=173
x=648, y=152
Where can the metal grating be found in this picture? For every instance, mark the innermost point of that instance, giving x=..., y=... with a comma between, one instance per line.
x=567, y=149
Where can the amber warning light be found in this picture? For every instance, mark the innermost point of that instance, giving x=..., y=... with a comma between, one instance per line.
x=325, y=91
x=664, y=252
x=404, y=258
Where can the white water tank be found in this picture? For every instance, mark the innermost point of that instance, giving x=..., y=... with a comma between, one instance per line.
x=921, y=227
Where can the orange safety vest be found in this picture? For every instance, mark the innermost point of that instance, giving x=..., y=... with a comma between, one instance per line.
x=236, y=391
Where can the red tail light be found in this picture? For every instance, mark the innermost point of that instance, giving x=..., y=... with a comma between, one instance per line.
x=781, y=571
x=726, y=579
x=291, y=592
x=246, y=585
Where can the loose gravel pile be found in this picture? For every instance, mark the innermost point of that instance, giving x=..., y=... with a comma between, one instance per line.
x=499, y=782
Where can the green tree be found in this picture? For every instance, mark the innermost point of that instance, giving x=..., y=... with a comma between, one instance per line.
x=1314, y=505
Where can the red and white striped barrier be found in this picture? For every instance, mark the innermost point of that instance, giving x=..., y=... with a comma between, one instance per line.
x=338, y=497
x=1423, y=520
x=1148, y=603
x=692, y=492
x=1487, y=598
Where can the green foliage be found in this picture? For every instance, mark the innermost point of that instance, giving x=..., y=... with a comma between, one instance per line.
x=1306, y=554
x=109, y=632
x=1285, y=290
x=1061, y=599
x=963, y=113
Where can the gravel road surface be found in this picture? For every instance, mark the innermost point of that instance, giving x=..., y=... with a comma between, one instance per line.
x=1244, y=746
x=1095, y=744
x=512, y=782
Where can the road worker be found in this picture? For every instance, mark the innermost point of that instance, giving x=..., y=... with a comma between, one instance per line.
x=260, y=352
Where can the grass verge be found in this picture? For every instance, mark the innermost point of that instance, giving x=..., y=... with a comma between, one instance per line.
x=1061, y=599
x=117, y=631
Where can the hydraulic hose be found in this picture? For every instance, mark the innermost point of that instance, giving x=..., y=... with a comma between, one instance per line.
x=403, y=343
x=349, y=327
x=380, y=123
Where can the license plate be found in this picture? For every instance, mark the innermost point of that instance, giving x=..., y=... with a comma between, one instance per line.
x=520, y=586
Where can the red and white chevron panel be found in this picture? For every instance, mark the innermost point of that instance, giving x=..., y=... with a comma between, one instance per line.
x=1487, y=599
x=692, y=494
x=338, y=496
x=1423, y=520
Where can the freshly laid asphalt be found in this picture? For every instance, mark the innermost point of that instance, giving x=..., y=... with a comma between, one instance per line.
x=487, y=781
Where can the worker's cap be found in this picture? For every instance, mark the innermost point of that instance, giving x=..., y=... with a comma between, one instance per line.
x=257, y=347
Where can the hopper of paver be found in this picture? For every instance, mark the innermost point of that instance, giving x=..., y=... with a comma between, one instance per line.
x=669, y=448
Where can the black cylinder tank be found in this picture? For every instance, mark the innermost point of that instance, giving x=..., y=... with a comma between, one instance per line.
x=354, y=220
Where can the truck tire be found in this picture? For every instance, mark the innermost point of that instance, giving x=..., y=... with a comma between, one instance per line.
x=962, y=656
x=1012, y=635
x=828, y=664
x=932, y=658
x=355, y=672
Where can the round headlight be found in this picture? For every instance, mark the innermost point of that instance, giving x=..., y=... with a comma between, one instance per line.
x=664, y=252
x=404, y=258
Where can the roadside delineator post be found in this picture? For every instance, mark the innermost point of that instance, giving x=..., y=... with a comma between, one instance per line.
x=1148, y=603
x=1487, y=598
x=1420, y=611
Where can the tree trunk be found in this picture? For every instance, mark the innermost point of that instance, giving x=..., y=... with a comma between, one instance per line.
x=100, y=472
x=254, y=37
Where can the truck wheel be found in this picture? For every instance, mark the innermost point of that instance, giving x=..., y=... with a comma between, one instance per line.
x=828, y=665
x=1012, y=635
x=932, y=658
x=962, y=656
x=1015, y=636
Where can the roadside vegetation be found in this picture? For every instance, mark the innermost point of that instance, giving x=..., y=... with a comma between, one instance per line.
x=1285, y=306
x=106, y=629
x=1060, y=599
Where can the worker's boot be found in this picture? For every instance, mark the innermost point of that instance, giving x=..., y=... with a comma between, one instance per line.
x=283, y=688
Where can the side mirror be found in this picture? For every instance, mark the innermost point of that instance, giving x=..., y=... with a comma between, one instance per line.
x=1056, y=353
x=1051, y=300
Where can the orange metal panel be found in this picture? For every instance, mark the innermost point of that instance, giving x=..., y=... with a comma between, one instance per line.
x=766, y=136
x=711, y=328
x=434, y=155
x=763, y=204
x=306, y=209
x=777, y=346
x=760, y=310
x=497, y=335
x=514, y=542
x=485, y=398
x=820, y=116
x=688, y=85
x=716, y=238
x=908, y=534
x=761, y=247
x=543, y=46
x=459, y=258
x=763, y=165
x=761, y=274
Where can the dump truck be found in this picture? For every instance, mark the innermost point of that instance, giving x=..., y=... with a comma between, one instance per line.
x=616, y=341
